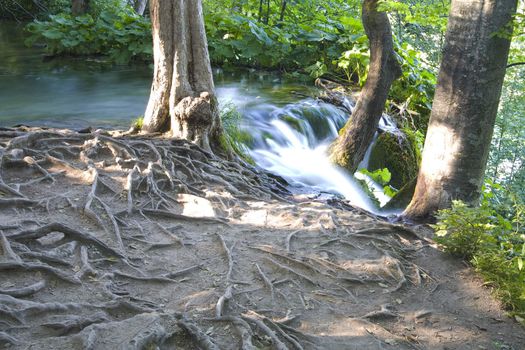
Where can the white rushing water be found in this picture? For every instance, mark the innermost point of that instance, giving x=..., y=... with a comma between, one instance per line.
x=292, y=141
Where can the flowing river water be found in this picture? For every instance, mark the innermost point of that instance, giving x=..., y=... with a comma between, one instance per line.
x=290, y=134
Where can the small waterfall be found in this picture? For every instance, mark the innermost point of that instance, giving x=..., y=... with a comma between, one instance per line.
x=292, y=140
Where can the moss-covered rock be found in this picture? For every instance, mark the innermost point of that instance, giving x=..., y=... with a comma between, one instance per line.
x=293, y=122
x=399, y=154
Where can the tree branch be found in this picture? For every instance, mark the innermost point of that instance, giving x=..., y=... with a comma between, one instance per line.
x=515, y=64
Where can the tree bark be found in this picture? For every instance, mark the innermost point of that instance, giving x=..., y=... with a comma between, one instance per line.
x=140, y=6
x=465, y=106
x=182, y=98
x=236, y=6
x=283, y=10
x=350, y=147
x=79, y=7
x=267, y=18
x=260, y=10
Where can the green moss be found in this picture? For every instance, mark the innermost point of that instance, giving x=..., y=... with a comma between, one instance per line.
x=397, y=153
x=138, y=123
x=292, y=122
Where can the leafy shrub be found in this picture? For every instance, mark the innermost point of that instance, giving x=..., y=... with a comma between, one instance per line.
x=492, y=238
x=122, y=35
x=465, y=231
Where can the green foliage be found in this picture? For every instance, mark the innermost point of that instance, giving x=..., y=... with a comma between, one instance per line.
x=492, y=238
x=321, y=38
x=120, y=34
x=381, y=176
x=506, y=164
x=327, y=38
x=138, y=123
x=464, y=230
x=415, y=89
x=234, y=137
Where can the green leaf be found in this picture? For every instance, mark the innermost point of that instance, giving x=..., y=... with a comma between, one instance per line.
x=260, y=34
x=52, y=34
x=381, y=176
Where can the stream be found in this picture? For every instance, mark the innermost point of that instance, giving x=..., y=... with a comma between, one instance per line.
x=289, y=133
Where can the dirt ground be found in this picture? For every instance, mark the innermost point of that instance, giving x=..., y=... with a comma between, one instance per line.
x=145, y=243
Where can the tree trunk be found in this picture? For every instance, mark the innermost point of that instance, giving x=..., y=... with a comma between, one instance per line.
x=236, y=6
x=283, y=10
x=260, y=10
x=267, y=18
x=350, y=147
x=465, y=106
x=182, y=98
x=140, y=6
x=79, y=7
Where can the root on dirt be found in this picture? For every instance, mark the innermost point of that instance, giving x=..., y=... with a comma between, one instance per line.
x=143, y=242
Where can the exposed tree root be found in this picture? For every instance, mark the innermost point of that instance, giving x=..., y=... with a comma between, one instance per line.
x=380, y=314
x=7, y=339
x=74, y=234
x=86, y=266
x=24, y=291
x=17, y=203
x=70, y=323
x=203, y=340
x=116, y=236
x=266, y=281
x=243, y=328
x=29, y=266
x=289, y=269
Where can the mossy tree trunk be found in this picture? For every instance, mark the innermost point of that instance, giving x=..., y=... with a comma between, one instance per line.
x=182, y=99
x=465, y=106
x=79, y=7
x=350, y=147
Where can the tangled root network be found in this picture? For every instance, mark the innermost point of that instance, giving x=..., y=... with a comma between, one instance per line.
x=128, y=242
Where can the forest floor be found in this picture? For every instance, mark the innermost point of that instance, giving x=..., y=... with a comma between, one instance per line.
x=114, y=242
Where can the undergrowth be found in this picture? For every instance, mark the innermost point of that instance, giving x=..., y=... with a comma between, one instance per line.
x=492, y=238
x=332, y=45
x=121, y=34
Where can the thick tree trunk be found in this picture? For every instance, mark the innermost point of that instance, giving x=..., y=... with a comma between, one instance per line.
x=79, y=7
x=465, y=106
x=182, y=97
x=350, y=147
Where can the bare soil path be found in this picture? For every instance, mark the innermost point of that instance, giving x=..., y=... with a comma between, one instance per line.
x=111, y=242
